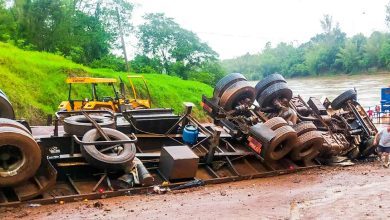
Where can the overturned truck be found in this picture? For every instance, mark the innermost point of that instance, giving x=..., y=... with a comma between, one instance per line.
x=277, y=124
x=257, y=131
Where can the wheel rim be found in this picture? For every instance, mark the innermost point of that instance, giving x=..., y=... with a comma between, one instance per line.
x=11, y=160
x=113, y=150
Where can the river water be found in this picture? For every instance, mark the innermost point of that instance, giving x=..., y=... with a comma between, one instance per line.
x=368, y=87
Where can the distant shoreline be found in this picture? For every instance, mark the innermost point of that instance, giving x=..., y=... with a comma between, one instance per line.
x=328, y=76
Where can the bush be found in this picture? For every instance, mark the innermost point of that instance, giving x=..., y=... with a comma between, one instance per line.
x=109, y=62
x=203, y=77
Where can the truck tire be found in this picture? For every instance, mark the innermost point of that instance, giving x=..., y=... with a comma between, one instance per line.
x=275, y=123
x=341, y=100
x=5, y=122
x=108, y=161
x=307, y=143
x=20, y=156
x=277, y=90
x=79, y=125
x=227, y=81
x=262, y=133
x=104, y=109
x=267, y=81
x=304, y=127
x=237, y=92
x=6, y=109
x=282, y=144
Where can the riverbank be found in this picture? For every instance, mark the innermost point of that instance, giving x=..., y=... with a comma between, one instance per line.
x=35, y=84
x=368, y=87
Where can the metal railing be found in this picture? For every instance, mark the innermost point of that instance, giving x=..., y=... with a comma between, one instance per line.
x=381, y=117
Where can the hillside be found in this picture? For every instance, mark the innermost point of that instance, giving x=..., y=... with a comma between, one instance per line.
x=35, y=83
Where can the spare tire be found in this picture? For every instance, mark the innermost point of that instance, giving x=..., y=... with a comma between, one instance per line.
x=79, y=125
x=6, y=109
x=341, y=100
x=227, y=81
x=275, y=123
x=307, y=143
x=112, y=161
x=277, y=90
x=304, y=127
x=282, y=144
x=20, y=156
x=267, y=81
x=237, y=92
x=5, y=122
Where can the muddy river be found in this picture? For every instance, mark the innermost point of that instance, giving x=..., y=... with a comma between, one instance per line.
x=367, y=86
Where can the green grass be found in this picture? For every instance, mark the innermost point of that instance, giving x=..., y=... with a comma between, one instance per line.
x=35, y=83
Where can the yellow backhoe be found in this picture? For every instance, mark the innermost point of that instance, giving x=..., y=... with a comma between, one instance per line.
x=100, y=99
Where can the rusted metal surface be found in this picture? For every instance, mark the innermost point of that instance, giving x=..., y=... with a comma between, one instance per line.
x=76, y=179
x=220, y=160
x=244, y=141
x=178, y=162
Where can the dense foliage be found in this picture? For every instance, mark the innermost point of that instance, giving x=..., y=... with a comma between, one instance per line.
x=78, y=30
x=329, y=52
x=168, y=48
x=87, y=32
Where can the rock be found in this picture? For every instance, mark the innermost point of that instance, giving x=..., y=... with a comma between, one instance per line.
x=98, y=205
x=296, y=181
x=22, y=214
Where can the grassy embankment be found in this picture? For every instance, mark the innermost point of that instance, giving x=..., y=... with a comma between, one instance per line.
x=35, y=83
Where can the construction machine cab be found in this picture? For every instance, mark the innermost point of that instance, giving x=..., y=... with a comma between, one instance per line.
x=96, y=101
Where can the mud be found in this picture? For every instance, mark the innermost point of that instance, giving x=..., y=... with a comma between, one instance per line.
x=360, y=191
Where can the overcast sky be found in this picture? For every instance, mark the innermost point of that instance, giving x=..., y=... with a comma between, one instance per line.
x=235, y=27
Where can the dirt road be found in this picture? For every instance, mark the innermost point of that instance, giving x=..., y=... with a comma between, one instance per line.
x=361, y=191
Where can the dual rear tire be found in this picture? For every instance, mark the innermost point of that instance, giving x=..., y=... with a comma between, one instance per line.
x=20, y=154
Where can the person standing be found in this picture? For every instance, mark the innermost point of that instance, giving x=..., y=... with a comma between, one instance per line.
x=370, y=113
x=382, y=140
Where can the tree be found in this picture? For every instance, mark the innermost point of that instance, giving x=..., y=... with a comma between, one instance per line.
x=387, y=19
x=327, y=24
x=179, y=51
x=108, y=12
x=349, y=56
x=7, y=23
x=325, y=47
x=84, y=31
x=372, y=49
x=144, y=64
x=384, y=54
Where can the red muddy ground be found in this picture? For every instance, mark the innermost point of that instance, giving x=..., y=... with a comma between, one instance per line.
x=361, y=191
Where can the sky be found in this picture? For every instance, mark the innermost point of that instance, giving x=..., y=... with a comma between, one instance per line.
x=236, y=27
